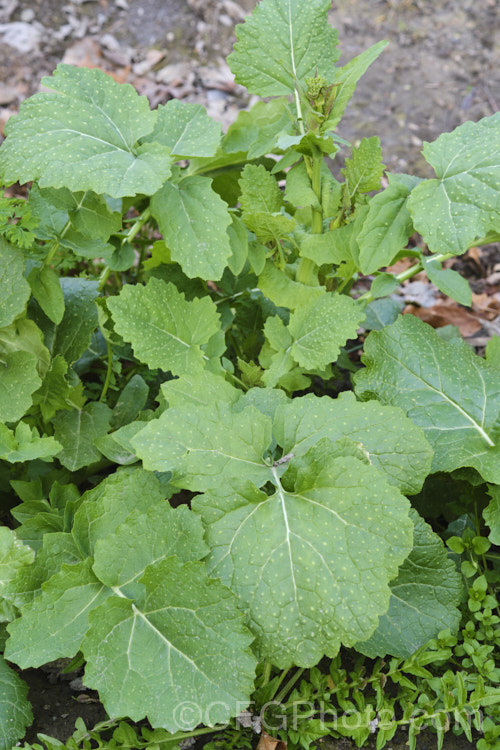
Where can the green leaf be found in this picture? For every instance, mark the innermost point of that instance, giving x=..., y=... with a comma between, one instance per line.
x=321, y=553
x=186, y=129
x=383, y=285
x=55, y=393
x=200, y=390
x=76, y=431
x=25, y=444
x=58, y=548
x=199, y=444
x=462, y=204
x=164, y=329
x=259, y=191
x=14, y=555
x=89, y=213
x=283, y=42
x=14, y=289
x=283, y=291
x=446, y=389
x=238, y=237
x=298, y=187
x=448, y=281
x=52, y=626
x=110, y=504
x=182, y=643
x=18, y=380
x=83, y=135
x=363, y=170
x=130, y=402
x=346, y=78
x=333, y=246
x=15, y=709
x=193, y=220
x=424, y=598
x=46, y=289
x=491, y=514
x=254, y=131
x=390, y=440
x=163, y=532
x=74, y=333
x=321, y=327
x=386, y=229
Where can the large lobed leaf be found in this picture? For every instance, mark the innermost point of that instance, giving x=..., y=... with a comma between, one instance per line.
x=139, y=606
x=15, y=710
x=283, y=42
x=83, y=135
x=14, y=289
x=424, y=598
x=451, y=393
x=322, y=550
x=164, y=329
x=463, y=204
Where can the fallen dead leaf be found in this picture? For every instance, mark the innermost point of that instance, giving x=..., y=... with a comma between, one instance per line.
x=84, y=53
x=486, y=306
x=444, y=314
x=267, y=742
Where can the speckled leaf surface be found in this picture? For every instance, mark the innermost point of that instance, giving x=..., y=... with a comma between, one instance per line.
x=463, y=203
x=13, y=556
x=183, y=641
x=383, y=432
x=82, y=135
x=109, y=504
x=491, y=514
x=321, y=554
x=18, y=380
x=193, y=220
x=25, y=444
x=14, y=289
x=58, y=548
x=145, y=539
x=321, y=327
x=76, y=431
x=424, y=598
x=385, y=230
x=15, y=709
x=201, y=444
x=282, y=42
x=446, y=389
x=364, y=169
x=165, y=330
x=186, y=129
x=52, y=626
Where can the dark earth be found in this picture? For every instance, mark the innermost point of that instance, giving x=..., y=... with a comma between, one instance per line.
x=442, y=67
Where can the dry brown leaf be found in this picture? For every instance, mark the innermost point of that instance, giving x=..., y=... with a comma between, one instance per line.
x=267, y=742
x=443, y=314
x=486, y=305
x=85, y=53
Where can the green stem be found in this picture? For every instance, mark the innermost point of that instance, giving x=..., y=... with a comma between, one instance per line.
x=103, y=278
x=278, y=684
x=109, y=371
x=137, y=225
x=266, y=674
x=307, y=272
x=289, y=685
x=408, y=274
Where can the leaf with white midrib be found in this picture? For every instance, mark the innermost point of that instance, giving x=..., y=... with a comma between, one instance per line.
x=453, y=394
x=307, y=547
x=182, y=640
